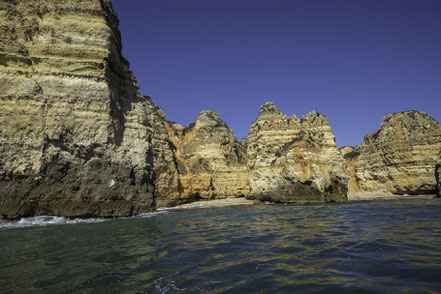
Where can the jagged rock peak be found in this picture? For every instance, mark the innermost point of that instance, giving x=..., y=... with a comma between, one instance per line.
x=269, y=106
x=209, y=118
x=269, y=109
x=314, y=118
x=270, y=118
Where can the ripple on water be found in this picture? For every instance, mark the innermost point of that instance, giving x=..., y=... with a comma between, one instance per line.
x=369, y=247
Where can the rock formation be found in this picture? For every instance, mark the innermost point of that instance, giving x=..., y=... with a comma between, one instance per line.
x=293, y=160
x=76, y=138
x=438, y=175
x=399, y=158
x=211, y=162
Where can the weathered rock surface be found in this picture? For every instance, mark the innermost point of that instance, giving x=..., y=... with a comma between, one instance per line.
x=346, y=149
x=76, y=138
x=399, y=158
x=438, y=175
x=293, y=160
x=211, y=162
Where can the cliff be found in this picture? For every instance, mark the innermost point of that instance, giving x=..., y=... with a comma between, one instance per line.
x=211, y=162
x=293, y=160
x=76, y=138
x=438, y=175
x=399, y=158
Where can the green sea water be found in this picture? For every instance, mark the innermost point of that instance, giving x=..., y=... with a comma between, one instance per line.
x=388, y=246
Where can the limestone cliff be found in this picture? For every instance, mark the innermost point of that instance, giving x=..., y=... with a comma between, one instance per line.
x=438, y=176
x=399, y=158
x=211, y=162
x=294, y=160
x=76, y=138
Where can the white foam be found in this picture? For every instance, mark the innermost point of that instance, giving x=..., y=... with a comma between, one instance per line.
x=145, y=215
x=45, y=220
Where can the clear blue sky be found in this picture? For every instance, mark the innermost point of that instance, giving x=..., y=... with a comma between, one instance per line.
x=352, y=60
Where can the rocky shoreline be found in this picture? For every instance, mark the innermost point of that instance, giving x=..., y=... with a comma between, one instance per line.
x=79, y=140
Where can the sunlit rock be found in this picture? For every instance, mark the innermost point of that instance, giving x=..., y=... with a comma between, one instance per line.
x=211, y=162
x=294, y=160
x=76, y=138
x=399, y=158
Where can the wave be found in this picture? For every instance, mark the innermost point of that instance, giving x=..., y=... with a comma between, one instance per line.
x=45, y=220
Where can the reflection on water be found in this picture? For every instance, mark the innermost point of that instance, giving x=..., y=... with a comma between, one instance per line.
x=368, y=247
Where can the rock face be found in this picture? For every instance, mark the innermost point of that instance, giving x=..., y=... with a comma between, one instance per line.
x=438, y=176
x=76, y=138
x=293, y=160
x=211, y=162
x=399, y=158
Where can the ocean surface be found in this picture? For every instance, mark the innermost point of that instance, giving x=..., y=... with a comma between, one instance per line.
x=386, y=246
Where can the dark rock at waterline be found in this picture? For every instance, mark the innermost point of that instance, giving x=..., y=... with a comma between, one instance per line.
x=77, y=139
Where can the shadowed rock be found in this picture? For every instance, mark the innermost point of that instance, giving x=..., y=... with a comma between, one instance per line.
x=76, y=138
x=438, y=176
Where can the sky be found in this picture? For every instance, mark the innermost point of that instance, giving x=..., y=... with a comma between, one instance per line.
x=354, y=61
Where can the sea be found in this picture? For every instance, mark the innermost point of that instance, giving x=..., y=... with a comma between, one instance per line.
x=383, y=246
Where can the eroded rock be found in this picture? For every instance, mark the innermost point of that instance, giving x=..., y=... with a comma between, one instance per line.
x=211, y=162
x=294, y=160
x=399, y=158
x=438, y=176
x=76, y=138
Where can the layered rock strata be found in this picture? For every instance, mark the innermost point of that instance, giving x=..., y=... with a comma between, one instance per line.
x=294, y=160
x=399, y=158
x=438, y=176
x=76, y=138
x=211, y=162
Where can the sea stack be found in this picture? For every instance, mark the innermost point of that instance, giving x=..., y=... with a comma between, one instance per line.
x=399, y=158
x=77, y=139
x=294, y=160
x=211, y=162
